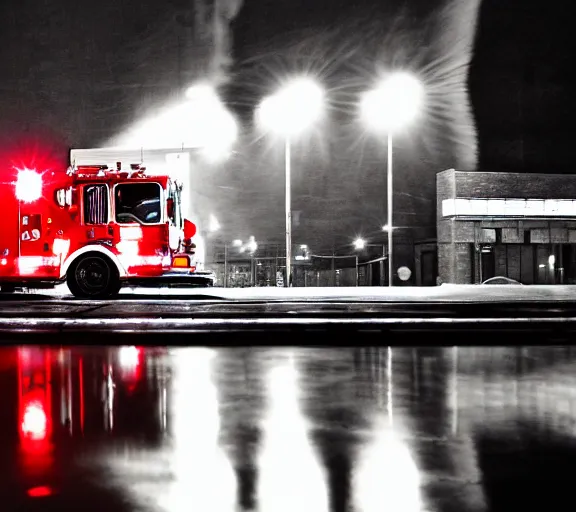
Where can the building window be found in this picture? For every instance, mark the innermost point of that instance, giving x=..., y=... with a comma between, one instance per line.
x=526, y=236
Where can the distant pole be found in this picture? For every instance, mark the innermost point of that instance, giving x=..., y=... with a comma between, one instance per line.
x=288, y=215
x=225, y=265
x=390, y=221
x=333, y=268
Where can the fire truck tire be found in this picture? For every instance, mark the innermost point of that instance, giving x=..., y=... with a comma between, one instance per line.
x=93, y=276
x=7, y=288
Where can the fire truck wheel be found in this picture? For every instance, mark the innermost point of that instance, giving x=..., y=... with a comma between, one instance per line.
x=7, y=288
x=93, y=276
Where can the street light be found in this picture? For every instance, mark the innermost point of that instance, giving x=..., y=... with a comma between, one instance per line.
x=200, y=121
x=359, y=244
x=289, y=112
x=214, y=225
x=391, y=106
x=251, y=247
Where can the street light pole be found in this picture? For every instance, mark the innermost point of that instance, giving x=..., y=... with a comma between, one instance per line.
x=288, y=214
x=392, y=105
x=289, y=112
x=390, y=192
x=226, y=265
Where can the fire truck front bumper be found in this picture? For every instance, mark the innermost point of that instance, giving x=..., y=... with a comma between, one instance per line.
x=175, y=279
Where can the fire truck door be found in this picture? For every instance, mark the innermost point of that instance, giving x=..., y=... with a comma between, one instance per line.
x=139, y=211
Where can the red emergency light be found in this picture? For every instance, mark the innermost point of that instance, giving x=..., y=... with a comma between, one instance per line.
x=28, y=185
x=34, y=421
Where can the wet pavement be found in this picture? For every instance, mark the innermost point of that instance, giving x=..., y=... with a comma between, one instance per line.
x=443, y=294
x=280, y=429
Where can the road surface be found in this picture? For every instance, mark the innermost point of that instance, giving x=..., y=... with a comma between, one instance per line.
x=278, y=429
x=334, y=311
x=444, y=293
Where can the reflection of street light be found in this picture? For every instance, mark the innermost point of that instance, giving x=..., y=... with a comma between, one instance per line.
x=389, y=107
x=288, y=113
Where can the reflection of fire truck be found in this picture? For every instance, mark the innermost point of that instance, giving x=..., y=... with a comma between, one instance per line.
x=34, y=386
x=97, y=229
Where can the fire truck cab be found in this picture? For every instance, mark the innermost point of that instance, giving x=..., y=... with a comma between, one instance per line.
x=97, y=229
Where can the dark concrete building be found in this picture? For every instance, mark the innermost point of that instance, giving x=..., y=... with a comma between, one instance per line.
x=520, y=226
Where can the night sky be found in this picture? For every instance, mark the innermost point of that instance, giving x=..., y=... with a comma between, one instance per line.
x=78, y=73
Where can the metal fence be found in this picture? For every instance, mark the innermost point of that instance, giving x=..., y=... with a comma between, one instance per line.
x=267, y=267
x=271, y=271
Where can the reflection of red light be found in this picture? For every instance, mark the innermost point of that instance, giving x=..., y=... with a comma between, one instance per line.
x=34, y=421
x=40, y=492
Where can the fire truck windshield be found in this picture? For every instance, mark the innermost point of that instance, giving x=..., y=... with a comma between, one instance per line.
x=138, y=203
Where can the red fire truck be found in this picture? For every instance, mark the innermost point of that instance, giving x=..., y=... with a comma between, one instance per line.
x=95, y=228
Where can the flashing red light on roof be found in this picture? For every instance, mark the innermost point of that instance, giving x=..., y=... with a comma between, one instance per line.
x=34, y=421
x=28, y=186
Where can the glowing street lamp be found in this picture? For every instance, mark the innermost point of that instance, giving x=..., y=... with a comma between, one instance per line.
x=252, y=246
x=359, y=244
x=289, y=112
x=214, y=225
x=200, y=121
x=390, y=107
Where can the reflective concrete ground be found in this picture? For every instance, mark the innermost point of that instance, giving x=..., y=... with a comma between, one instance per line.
x=452, y=429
